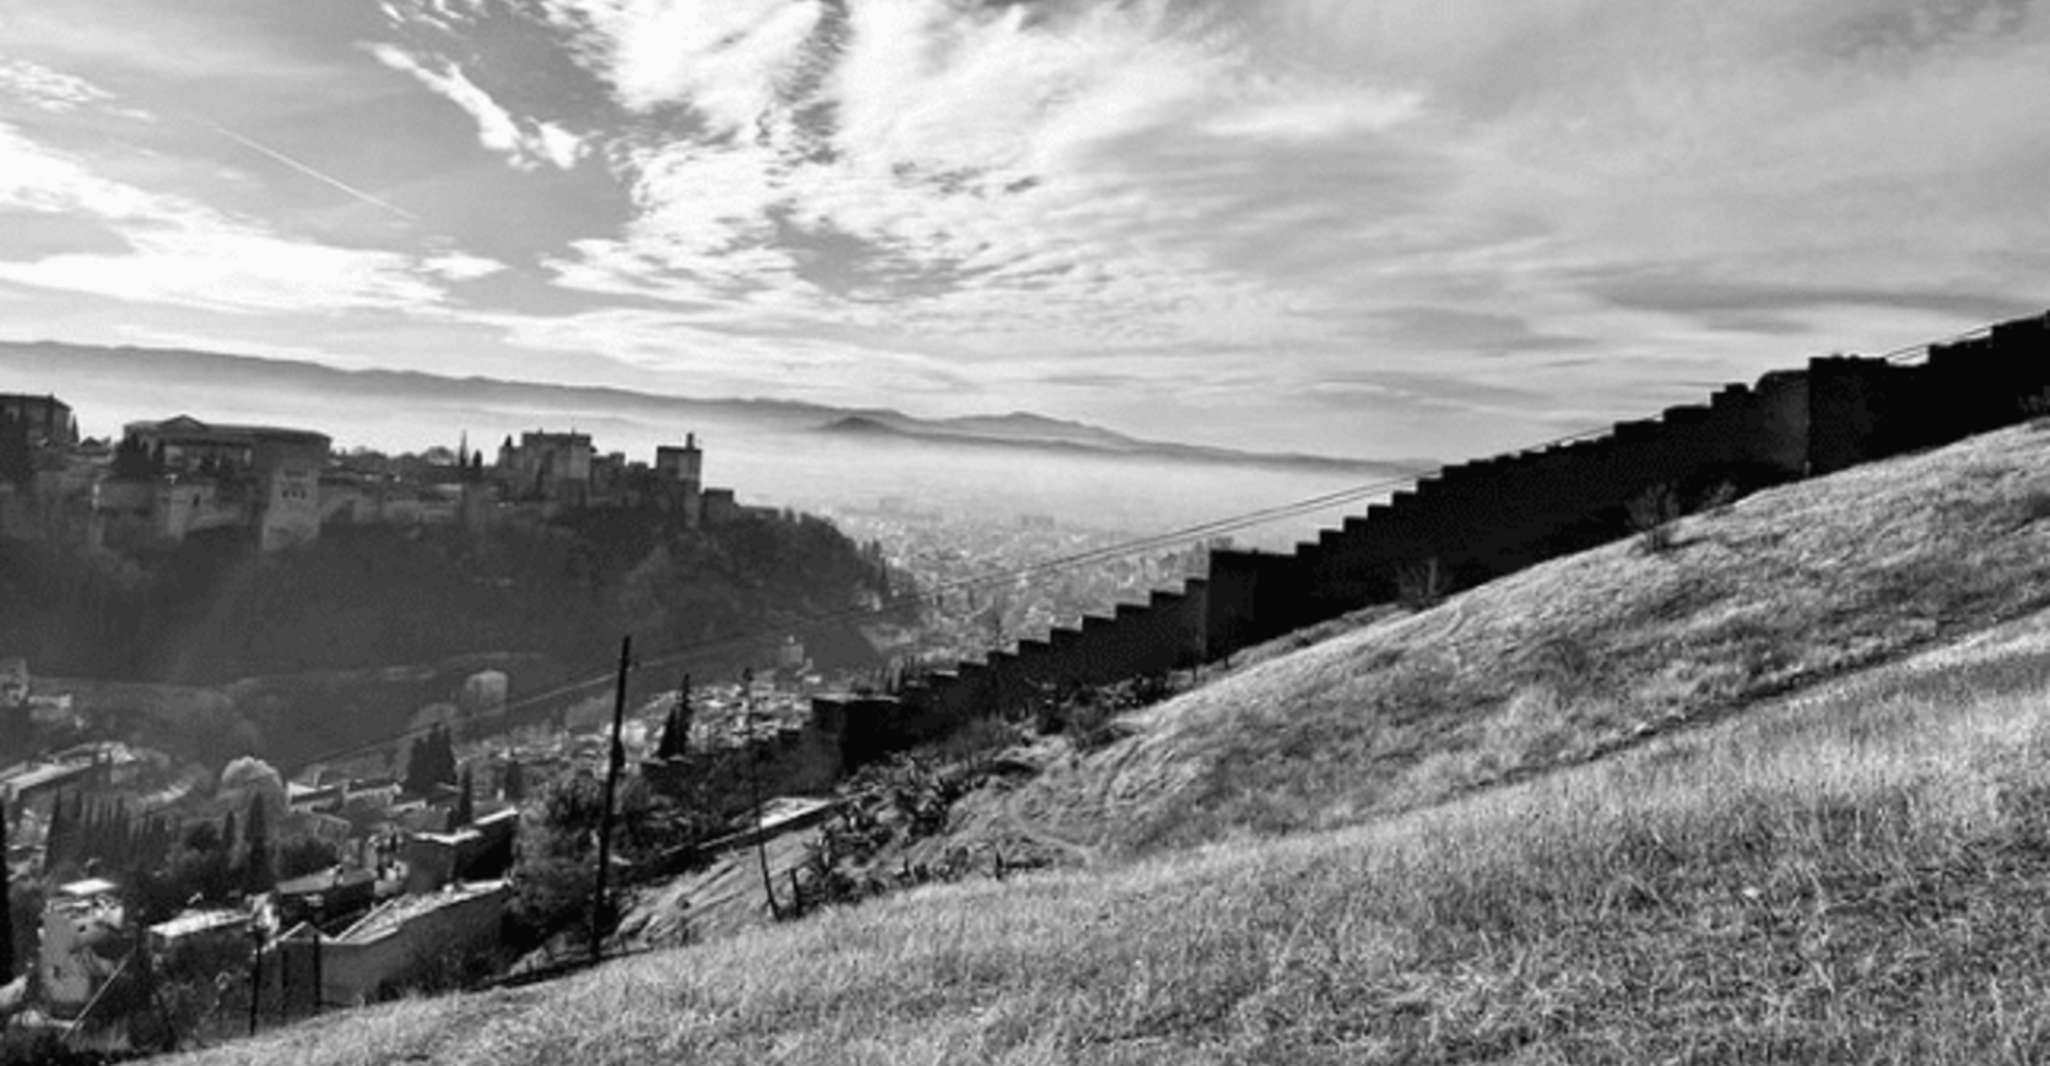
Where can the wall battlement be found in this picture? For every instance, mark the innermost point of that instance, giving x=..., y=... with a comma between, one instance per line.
x=1486, y=518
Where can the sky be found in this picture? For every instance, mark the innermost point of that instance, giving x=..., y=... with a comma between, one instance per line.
x=1356, y=227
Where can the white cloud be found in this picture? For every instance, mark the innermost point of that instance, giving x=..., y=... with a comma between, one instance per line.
x=970, y=177
x=48, y=89
x=497, y=129
x=460, y=266
x=186, y=254
x=1019, y=191
x=726, y=58
x=1033, y=182
x=562, y=147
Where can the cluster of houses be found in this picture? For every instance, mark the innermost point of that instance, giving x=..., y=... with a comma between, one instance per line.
x=163, y=481
x=415, y=876
x=414, y=882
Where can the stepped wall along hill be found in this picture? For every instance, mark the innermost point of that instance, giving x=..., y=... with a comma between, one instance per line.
x=1483, y=519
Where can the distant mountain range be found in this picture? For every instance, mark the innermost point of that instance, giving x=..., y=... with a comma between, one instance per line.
x=1024, y=430
x=187, y=370
x=204, y=383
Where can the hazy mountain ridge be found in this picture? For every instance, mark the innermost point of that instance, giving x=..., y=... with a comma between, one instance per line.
x=190, y=368
x=40, y=366
x=1027, y=431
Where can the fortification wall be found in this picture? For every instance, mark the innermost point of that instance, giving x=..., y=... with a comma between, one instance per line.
x=791, y=760
x=1484, y=519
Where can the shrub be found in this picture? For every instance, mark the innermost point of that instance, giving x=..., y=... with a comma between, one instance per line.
x=1716, y=499
x=1087, y=714
x=1420, y=585
x=977, y=742
x=1651, y=514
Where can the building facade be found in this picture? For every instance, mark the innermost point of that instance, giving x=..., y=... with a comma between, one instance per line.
x=49, y=421
x=210, y=475
x=547, y=466
x=83, y=941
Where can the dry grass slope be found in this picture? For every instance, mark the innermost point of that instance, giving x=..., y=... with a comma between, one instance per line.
x=1582, y=655
x=1852, y=876
x=1857, y=877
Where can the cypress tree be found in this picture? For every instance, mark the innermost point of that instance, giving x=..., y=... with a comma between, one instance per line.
x=124, y=835
x=415, y=779
x=513, y=786
x=6, y=906
x=466, y=806
x=431, y=761
x=256, y=866
x=415, y=763
x=57, y=843
x=675, y=742
x=444, y=756
x=92, y=829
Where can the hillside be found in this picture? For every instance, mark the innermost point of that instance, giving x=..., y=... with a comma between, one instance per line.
x=1850, y=870
x=1583, y=654
x=308, y=624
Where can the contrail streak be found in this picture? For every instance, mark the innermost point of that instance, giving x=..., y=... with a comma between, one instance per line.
x=309, y=171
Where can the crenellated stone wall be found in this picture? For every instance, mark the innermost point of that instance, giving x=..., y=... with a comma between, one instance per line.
x=1483, y=519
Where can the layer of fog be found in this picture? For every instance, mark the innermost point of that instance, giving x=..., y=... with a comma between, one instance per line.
x=776, y=457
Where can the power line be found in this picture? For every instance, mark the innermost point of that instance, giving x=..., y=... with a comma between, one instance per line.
x=989, y=580
x=1001, y=578
x=1174, y=538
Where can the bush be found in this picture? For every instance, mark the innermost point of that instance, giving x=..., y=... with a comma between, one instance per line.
x=1716, y=499
x=305, y=855
x=977, y=742
x=1651, y=515
x=1420, y=585
x=1087, y=714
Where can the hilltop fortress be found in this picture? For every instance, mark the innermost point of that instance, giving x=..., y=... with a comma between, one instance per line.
x=1476, y=521
x=165, y=481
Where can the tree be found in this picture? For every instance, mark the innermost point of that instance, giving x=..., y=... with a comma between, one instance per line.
x=444, y=756
x=200, y=866
x=305, y=855
x=513, y=785
x=675, y=742
x=557, y=844
x=466, y=804
x=6, y=909
x=431, y=761
x=1652, y=513
x=57, y=842
x=257, y=872
x=93, y=833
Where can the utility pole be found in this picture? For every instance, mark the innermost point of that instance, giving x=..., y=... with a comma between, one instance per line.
x=255, y=973
x=615, y=758
x=754, y=783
